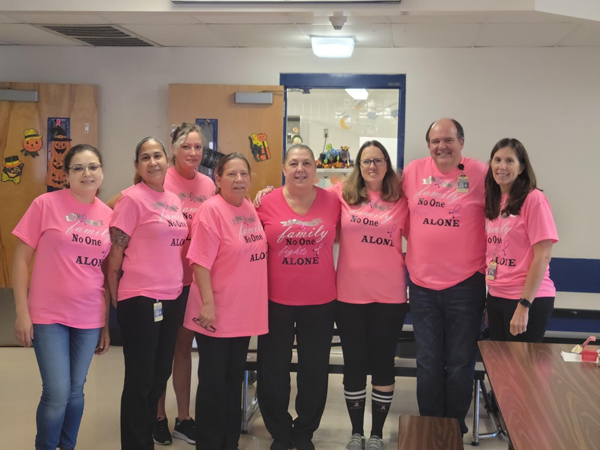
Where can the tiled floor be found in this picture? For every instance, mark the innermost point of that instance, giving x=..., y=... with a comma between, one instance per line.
x=20, y=389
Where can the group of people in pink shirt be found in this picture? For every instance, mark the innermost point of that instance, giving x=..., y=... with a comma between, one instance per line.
x=181, y=258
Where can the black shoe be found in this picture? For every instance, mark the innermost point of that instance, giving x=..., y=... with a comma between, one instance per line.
x=281, y=445
x=185, y=430
x=161, y=434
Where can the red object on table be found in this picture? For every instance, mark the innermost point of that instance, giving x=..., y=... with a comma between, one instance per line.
x=589, y=355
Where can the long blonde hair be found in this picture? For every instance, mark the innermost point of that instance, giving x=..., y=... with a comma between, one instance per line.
x=354, y=190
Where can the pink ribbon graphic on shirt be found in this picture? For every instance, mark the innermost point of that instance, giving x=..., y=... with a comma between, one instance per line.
x=394, y=228
x=505, y=246
x=438, y=183
x=454, y=211
x=316, y=250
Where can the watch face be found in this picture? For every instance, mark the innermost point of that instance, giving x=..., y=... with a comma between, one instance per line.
x=526, y=303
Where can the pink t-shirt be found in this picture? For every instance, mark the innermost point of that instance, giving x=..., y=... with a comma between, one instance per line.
x=509, y=243
x=370, y=265
x=231, y=243
x=157, y=229
x=192, y=193
x=446, y=238
x=301, y=269
x=71, y=240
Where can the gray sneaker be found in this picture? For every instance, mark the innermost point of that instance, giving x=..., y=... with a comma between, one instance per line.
x=375, y=443
x=357, y=442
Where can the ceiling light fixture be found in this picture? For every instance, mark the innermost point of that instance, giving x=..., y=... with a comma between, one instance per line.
x=358, y=94
x=332, y=47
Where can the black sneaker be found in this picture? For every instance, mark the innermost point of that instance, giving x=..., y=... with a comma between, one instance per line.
x=185, y=430
x=161, y=434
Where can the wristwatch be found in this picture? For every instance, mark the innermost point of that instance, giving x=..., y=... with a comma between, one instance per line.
x=526, y=303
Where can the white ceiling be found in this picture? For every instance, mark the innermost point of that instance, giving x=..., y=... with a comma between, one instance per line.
x=374, y=28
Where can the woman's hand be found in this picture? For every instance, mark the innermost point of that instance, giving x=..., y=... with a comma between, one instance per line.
x=260, y=194
x=518, y=323
x=24, y=330
x=207, y=315
x=103, y=342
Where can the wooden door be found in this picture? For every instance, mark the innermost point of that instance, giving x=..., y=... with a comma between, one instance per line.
x=254, y=130
x=26, y=140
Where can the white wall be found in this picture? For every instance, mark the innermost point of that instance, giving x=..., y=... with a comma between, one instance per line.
x=548, y=98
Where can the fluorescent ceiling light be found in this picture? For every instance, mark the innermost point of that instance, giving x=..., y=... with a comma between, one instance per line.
x=332, y=47
x=358, y=94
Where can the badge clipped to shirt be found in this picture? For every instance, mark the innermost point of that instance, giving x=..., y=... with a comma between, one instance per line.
x=462, y=185
x=491, y=272
x=158, y=314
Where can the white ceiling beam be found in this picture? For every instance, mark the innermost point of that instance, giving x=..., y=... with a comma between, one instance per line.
x=580, y=9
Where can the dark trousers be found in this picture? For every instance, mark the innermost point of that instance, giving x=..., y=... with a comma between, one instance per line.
x=369, y=335
x=221, y=367
x=501, y=310
x=313, y=331
x=447, y=324
x=148, y=348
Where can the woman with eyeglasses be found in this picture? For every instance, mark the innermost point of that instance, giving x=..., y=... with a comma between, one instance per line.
x=64, y=315
x=145, y=277
x=371, y=286
x=228, y=300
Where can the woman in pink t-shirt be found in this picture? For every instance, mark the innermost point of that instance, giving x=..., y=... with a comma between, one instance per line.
x=520, y=234
x=64, y=316
x=300, y=223
x=228, y=300
x=145, y=275
x=193, y=188
x=371, y=285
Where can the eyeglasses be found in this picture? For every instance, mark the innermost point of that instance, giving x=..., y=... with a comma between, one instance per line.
x=197, y=322
x=367, y=162
x=92, y=168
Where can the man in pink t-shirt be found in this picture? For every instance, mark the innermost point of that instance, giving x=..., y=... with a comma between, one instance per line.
x=446, y=261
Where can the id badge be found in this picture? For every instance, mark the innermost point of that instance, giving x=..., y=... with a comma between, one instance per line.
x=158, y=315
x=491, y=272
x=462, y=186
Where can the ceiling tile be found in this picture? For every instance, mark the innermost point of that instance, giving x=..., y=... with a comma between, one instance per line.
x=438, y=18
x=527, y=17
x=262, y=36
x=61, y=19
x=179, y=35
x=247, y=18
x=150, y=18
x=586, y=35
x=8, y=19
x=374, y=35
x=523, y=34
x=434, y=35
x=22, y=34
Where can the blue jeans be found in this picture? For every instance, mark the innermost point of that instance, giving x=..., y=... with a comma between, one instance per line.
x=64, y=355
x=447, y=324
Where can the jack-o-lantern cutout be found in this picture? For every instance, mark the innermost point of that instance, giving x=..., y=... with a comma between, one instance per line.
x=32, y=143
x=59, y=146
x=259, y=147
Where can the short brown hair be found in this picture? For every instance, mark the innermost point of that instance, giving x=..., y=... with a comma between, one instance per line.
x=220, y=167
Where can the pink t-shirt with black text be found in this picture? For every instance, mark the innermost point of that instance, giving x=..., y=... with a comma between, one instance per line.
x=301, y=268
x=71, y=240
x=231, y=243
x=192, y=193
x=509, y=243
x=371, y=266
x=157, y=229
x=446, y=238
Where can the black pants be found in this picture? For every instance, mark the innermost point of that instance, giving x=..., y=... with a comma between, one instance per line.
x=148, y=348
x=313, y=331
x=369, y=335
x=501, y=310
x=221, y=366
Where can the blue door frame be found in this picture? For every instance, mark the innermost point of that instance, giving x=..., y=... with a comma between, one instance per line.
x=348, y=81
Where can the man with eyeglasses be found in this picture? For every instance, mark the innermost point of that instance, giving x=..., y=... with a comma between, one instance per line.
x=446, y=264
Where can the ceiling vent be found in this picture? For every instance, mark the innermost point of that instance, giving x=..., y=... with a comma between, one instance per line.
x=99, y=35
